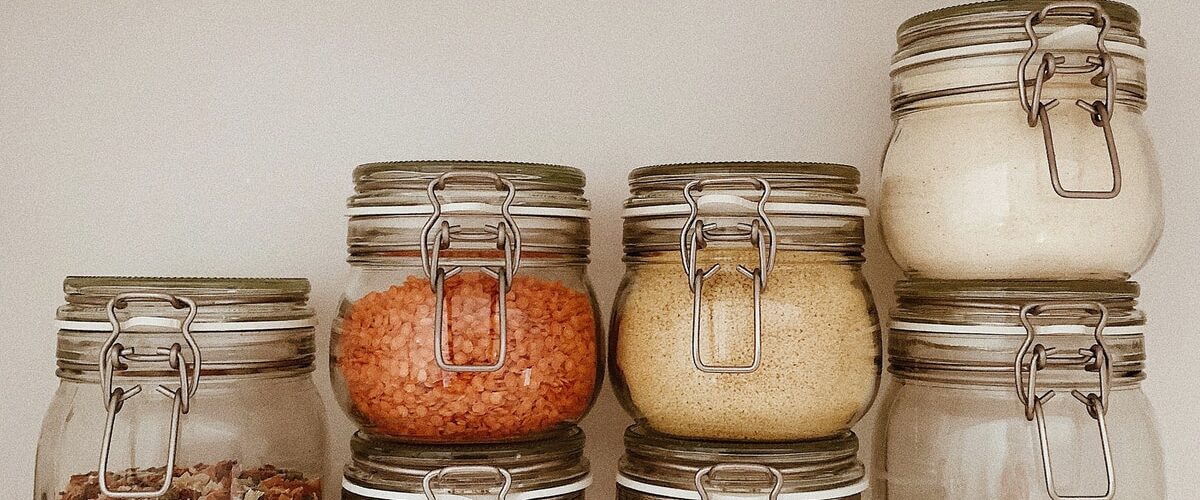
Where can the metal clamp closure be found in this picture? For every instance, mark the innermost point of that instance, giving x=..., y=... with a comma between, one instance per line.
x=1034, y=357
x=1038, y=111
x=508, y=240
x=771, y=472
x=114, y=357
x=696, y=234
x=438, y=474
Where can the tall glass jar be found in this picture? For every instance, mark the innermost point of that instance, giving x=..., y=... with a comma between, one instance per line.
x=469, y=316
x=743, y=313
x=552, y=469
x=985, y=178
x=659, y=467
x=1016, y=391
x=209, y=378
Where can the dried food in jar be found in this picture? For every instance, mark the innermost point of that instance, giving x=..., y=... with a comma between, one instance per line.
x=820, y=349
x=225, y=480
x=395, y=385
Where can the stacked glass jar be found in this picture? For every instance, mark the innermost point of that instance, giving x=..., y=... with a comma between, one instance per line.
x=468, y=342
x=744, y=338
x=1018, y=223
x=196, y=388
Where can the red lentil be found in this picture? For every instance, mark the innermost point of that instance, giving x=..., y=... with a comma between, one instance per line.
x=395, y=386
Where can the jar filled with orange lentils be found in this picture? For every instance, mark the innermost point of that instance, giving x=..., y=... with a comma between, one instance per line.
x=469, y=316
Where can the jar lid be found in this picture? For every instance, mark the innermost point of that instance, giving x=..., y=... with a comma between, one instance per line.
x=984, y=49
x=403, y=188
x=801, y=206
x=671, y=467
x=974, y=331
x=399, y=209
x=386, y=469
x=995, y=305
x=241, y=325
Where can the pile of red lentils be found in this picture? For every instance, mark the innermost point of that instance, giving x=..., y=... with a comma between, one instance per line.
x=548, y=378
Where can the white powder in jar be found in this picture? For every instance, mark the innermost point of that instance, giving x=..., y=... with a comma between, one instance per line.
x=820, y=349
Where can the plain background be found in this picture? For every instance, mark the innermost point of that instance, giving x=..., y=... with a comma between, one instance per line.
x=218, y=139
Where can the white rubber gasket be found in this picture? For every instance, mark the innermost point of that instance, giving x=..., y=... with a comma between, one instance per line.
x=1021, y=46
x=469, y=207
x=728, y=200
x=517, y=495
x=1012, y=330
x=172, y=323
x=682, y=494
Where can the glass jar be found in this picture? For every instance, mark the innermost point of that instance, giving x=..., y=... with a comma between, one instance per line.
x=969, y=412
x=425, y=347
x=984, y=178
x=743, y=313
x=209, y=378
x=659, y=467
x=384, y=469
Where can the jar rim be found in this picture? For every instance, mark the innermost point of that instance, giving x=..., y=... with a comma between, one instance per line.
x=405, y=183
x=540, y=462
x=804, y=466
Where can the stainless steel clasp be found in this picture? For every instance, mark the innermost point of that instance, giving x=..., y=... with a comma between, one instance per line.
x=114, y=357
x=741, y=470
x=437, y=235
x=473, y=474
x=696, y=234
x=1038, y=111
x=1034, y=356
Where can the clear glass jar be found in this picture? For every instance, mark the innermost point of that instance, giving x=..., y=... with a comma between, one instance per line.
x=659, y=467
x=553, y=468
x=969, y=412
x=743, y=313
x=207, y=377
x=982, y=180
x=450, y=359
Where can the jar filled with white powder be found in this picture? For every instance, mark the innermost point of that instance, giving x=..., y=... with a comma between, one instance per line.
x=743, y=314
x=1019, y=148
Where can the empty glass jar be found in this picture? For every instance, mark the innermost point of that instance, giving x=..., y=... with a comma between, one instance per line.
x=469, y=316
x=551, y=469
x=985, y=178
x=1017, y=391
x=743, y=313
x=658, y=467
x=208, y=378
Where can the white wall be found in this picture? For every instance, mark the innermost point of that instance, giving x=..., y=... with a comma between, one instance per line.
x=218, y=139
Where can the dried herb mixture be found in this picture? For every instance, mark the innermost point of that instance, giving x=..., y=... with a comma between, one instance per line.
x=225, y=480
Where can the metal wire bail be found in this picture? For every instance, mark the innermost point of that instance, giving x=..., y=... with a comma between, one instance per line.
x=773, y=473
x=696, y=234
x=437, y=474
x=1037, y=111
x=508, y=240
x=1033, y=357
x=114, y=357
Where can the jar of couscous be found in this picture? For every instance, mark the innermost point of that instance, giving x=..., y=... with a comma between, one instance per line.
x=549, y=469
x=173, y=388
x=469, y=316
x=743, y=313
x=659, y=467
x=1019, y=148
x=1017, y=390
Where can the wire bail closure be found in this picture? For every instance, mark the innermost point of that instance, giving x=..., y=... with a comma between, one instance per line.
x=775, y=475
x=114, y=357
x=1038, y=111
x=1033, y=357
x=508, y=239
x=696, y=234
x=437, y=474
